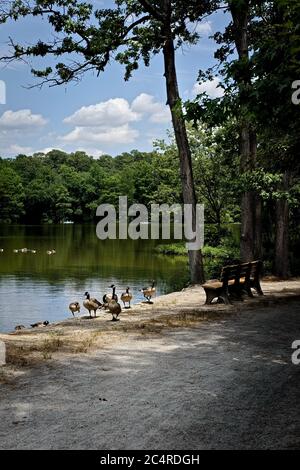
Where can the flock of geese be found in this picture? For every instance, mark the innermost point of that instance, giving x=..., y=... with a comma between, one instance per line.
x=110, y=302
x=28, y=250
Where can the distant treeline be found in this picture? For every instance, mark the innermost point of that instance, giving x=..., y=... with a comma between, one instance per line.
x=58, y=186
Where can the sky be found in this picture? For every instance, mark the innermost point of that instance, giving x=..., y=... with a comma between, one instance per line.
x=101, y=114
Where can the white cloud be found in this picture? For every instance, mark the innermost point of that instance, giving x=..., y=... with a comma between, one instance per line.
x=204, y=28
x=114, y=112
x=146, y=104
x=115, y=135
x=110, y=122
x=15, y=149
x=22, y=119
x=210, y=87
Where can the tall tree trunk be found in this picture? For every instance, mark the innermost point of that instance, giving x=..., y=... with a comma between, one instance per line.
x=186, y=172
x=247, y=203
x=258, y=207
x=257, y=203
x=282, y=234
x=250, y=239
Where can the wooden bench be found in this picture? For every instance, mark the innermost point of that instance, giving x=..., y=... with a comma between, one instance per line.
x=234, y=281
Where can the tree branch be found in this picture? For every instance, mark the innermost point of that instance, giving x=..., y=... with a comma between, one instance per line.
x=152, y=10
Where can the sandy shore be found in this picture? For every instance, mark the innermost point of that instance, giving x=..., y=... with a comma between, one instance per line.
x=80, y=334
x=175, y=374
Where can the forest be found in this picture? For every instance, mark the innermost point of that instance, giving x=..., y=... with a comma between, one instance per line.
x=237, y=154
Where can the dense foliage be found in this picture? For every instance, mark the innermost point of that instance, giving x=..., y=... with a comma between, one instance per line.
x=240, y=159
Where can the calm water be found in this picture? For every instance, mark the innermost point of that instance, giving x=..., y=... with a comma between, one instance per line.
x=35, y=287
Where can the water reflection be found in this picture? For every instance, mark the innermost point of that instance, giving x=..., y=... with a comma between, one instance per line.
x=39, y=286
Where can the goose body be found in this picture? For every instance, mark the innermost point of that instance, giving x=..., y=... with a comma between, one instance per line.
x=115, y=309
x=149, y=292
x=1, y=250
x=91, y=304
x=113, y=296
x=126, y=297
x=51, y=252
x=19, y=327
x=74, y=307
x=39, y=324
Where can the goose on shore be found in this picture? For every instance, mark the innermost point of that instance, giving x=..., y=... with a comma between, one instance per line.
x=91, y=304
x=74, y=307
x=112, y=296
x=149, y=292
x=115, y=309
x=39, y=324
x=126, y=297
x=19, y=327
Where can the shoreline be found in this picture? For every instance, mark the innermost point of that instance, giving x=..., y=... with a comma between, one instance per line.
x=81, y=335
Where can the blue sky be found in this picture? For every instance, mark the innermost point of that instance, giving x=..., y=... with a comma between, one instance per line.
x=99, y=114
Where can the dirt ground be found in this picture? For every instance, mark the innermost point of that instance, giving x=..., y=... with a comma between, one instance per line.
x=174, y=375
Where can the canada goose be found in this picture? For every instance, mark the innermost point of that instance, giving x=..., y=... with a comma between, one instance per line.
x=19, y=327
x=39, y=324
x=149, y=292
x=50, y=252
x=33, y=251
x=1, y=250
x=91, y=304
x=115, y=309
x=113, y=296
x=24, y=250
x=126, y=297
x=74, y=307
x=16, y=251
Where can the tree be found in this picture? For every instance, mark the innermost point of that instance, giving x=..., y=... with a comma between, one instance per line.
x=11, y=194
x=257, y=94
x=134, y=30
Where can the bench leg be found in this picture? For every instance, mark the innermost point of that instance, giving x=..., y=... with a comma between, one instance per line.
x=224, y=295
x=210, y=296
x=258, y=288
x=248, y=291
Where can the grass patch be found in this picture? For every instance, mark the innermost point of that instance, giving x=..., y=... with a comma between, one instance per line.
x=174, y=249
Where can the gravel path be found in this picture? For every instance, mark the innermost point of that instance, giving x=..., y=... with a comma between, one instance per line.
x=221, y=384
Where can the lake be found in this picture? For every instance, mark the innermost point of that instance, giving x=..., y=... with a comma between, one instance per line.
x=38, y=287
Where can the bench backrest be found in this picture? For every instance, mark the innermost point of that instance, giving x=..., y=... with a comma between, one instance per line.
x=229, y=273
x=256, y=268
x=243, y=270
